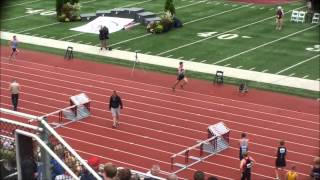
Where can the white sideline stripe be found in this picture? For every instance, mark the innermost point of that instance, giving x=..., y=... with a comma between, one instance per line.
x=203, y=61
x=305, y=76
x=265, y=70
x=205, y=116
x=18, y=17
x=240, y=27
x=251, y=69
x=235, y=148
x=38, y=27
x=143, y=119
x=28, y=2
x=290, y=67
x=292, y=74
x=166, y=88
x=71, y=36
x=265, y=44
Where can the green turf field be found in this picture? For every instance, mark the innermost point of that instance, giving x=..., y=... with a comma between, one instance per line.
x=215, y=32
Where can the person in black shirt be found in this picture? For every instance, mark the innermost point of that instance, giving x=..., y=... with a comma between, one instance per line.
x=315, y=171
x=245, y=166
x=103, y=36
x=281, y=159
x=115, y=104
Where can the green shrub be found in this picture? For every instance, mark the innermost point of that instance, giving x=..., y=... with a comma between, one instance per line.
x=68, y=10
x=169, y=6
x=158, y=29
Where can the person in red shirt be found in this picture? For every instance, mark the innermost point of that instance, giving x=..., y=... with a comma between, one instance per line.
x=245, y=166
x=279, y=18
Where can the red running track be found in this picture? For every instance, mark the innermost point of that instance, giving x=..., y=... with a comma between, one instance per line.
x=157, y=122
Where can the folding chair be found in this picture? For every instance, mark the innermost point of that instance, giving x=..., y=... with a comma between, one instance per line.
x=315, y=18
x=294, y=16
x=302, y=16
x=219, y=77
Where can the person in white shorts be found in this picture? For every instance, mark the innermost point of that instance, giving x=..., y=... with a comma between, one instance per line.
x=115, y=104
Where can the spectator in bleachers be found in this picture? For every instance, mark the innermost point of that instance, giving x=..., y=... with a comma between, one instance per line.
x=245, y=166
x=315, y=171
x=199, y=175
x=280, y=159
x=94, y=163
x=135, y=177
x=124, y=174
x=115, y=104
x=243, y=143
x=292, y=174
x=110, y=171
x=172, y=177
x=57, y=169
x=279, y=18
x=154, y=171
x=66, y=176
x=212, y=178
x=101, y=171
x=29, y=169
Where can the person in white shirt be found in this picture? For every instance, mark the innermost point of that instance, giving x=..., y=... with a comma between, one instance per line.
x=14, y=88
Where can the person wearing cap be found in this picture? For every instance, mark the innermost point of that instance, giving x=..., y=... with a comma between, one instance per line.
x=14, y=88
x=279, y=18
x=94, y=163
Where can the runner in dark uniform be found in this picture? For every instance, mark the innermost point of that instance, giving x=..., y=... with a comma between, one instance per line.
x=315, y=171
x=245, y=166
x=281, y=158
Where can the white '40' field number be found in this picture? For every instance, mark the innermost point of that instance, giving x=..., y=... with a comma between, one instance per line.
x=223, y=36
x=42, y=12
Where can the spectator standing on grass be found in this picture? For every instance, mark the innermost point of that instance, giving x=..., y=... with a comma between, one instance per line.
x=14, y=88
x=280, y=159
x=279, y=18
x=199, y=175
x=14, y=46
x=245, y=166
x=292, y=174
x=115, y=104
x=243, y=143
x=103, y=36
x=315, y=171
x=181, y=76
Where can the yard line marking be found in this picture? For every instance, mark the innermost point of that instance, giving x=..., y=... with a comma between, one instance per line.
x=265, y=44
x=192, y=59
x=227, y=65
x=196, y=20
x=135, y=3
x=305, y=76
x=181, y=57
x=38, y=27
x=262, y=8
x=240, y=27
x=251, y=69
x=265, y=70
x=238, y=67
x=128, y=49
x=35, y=35
x=52, y=37
x=71, y=36
x=169, y=55
x=192, y=4
x=69, y=40
x=290, y=67
x=203, y=61
x=18, y=17
x=27, y=33
x=252, y=7
x=29, y=2
x=292, y=74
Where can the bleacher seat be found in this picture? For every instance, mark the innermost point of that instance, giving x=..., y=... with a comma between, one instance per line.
x=301, y=16
x=294, y=16
x=315, y=18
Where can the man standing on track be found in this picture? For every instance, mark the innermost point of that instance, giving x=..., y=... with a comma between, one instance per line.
x=181, y=76
x=14, y=44
x=115, y=104
x=279, y=18
x=281, y=159
x=243, y=142
x=14, y=88
x=245, y=166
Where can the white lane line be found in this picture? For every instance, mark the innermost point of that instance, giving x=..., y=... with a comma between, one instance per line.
x=192, y=59
x=251, y=69
x=38, y=27
x=305, y=76
x=188, y=92
x=203, y=61
x=292, y=74
x=181, y=57
x=227, y=65
x=265, y=44
x=28, y=2
x=238, y=67
x=71, y=36
x=169, y=55
x=265, y=70
x=240, y=27
x=18, y=17
x=295, y=65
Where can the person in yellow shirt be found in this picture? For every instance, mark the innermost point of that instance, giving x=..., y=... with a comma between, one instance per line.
x=292, y=174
